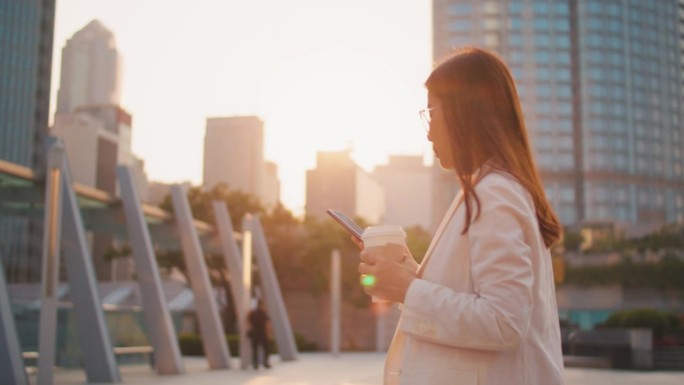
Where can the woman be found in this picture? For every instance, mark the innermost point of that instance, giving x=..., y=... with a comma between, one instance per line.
x=481, y=308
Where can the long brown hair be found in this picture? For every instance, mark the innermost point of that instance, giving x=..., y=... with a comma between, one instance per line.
x=485, y=123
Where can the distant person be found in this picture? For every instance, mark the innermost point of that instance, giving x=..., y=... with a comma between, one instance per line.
x=258, y=333
x=481, y=308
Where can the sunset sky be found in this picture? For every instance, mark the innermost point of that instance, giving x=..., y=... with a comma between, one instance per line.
x=322, y=74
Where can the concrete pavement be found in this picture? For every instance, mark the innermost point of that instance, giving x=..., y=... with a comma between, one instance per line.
x=347, y=369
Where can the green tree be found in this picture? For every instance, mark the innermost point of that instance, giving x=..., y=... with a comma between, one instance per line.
x=572, y=241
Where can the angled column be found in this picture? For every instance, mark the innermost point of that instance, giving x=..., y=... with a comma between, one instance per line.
x=246, y=295
x=215, y=345
x=240, y=287
x=52, y=220
x=93, y=336
x=10, y=351
x=162, y=335
x=274, y=298
x=335, y=301
x=231, y=253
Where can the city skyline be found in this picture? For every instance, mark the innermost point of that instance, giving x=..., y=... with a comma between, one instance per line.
x=327, y=91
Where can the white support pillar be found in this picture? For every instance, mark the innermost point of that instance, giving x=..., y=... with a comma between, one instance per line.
x=381, y=310
x=162, y=335
x=10, y=352
x=98, y=354
x=52, y=223
x=335, y=302
x=272, y=295
x=215, y=345
x=245, y=302
x=231, y=255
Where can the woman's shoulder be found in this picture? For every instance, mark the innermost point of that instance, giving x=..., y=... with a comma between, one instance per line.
x=502, y=185
x=494, y=177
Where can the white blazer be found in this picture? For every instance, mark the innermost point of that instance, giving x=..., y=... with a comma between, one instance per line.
x=483, y=310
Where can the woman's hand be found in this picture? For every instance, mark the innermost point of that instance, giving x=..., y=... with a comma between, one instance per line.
x=387, y=272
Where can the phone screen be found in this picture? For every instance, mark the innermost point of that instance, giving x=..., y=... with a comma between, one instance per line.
x=347, y=223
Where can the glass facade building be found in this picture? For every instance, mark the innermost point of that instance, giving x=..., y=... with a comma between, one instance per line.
x=26, y=33
x=26, y=37
x=602, y=89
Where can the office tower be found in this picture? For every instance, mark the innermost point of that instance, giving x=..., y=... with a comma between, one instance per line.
x=96, y=140
x=26, y=34
x=601, y=88
x=95, y=130
x=408, y=191
x=90, y=73
x=26, y=62
x=339, y=183
x=234, y=154
x=271, y=195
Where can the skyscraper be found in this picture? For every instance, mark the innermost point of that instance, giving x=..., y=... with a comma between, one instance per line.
x=271, y=195
x=26, y=61
x=340, y=184
x=90, y=73
x=601, y=85
x=408, y=191
x=234, y=154
x=96, y=130
x=26, y=34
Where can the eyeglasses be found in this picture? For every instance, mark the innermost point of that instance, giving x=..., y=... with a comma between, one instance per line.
x=426, y=116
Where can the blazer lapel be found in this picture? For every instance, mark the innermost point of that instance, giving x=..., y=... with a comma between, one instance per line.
x=440, y=230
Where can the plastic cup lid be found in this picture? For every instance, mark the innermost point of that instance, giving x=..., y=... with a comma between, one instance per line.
x=384, y=230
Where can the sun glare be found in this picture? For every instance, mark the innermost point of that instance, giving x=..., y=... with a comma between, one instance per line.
x=336, y=99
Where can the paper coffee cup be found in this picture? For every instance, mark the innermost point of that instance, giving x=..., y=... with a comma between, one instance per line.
x=382, y=235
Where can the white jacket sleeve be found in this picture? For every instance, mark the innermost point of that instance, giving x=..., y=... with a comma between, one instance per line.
x=496, y=316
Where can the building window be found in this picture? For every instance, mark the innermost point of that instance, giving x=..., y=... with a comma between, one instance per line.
x=462, y=25
x=459, y=40
x=564, y=91
x=561, y=8
x=540, y=8
x=491, y=7
x=542, y=40
x=562, y=58
x=460, y=9
x=492, y=40
x=541, y=25
x=564, y=108
x=517, y=41
x=515, y=6
x=516, y=23
x=563, y=74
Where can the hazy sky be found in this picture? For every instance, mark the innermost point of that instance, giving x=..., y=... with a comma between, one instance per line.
x=322, y=74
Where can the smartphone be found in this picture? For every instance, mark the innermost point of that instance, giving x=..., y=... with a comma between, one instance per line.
x=347, y=223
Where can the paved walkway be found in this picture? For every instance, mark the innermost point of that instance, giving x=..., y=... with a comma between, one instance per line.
x=347, y=369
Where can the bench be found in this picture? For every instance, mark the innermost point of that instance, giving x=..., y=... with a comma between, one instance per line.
x=132, y=350
x=118, y=351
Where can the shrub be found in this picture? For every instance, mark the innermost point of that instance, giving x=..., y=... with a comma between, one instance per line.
x=641, y=318
x=674, y=321
x=191, y=345
x=304, y=345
